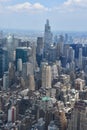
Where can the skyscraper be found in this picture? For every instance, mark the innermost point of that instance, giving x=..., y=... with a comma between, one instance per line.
x=31, y=82
x=3, y=61
x=46, y=76
x=80, y=58
x=19, y=65
x=39, y=50
x=40, y=45
x=6, y=81
x=11, y=44
x=71, y=54
x=79, y=116
x=22, y=53
x=27, y=69
x=47, y=36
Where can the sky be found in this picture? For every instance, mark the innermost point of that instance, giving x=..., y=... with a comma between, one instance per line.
x=64, y=15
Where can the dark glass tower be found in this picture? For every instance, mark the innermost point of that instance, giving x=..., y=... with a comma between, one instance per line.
x=22, y=53
x=39, y=50
x=3, y=61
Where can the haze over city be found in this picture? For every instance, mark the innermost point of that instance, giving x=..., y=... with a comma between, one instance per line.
x=66, y=15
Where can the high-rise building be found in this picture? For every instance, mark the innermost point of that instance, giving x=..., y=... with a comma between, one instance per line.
x=11, y=74
x=22, y=53
x=31, y=82
x=11, y=44
x=71, y=54
x=80, y=58
x=40, y=46
x=19, y=65
x=47, y=36
x=79, y=116
x=84, y=50
x=27, y=69
x=3, y=61
x=1, y=34
x=12, y=114
x=52, y=53
x=32, y=57
x=60, y=46
x=5, y=80
x=66, y=38
x=39, y=50
x=46, y=76
x=66, y=50
x=54, y=71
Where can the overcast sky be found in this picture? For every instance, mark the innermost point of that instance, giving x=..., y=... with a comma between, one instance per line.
x=67, y=15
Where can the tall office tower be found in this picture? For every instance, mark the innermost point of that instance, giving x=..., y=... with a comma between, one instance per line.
x=19, y=65
x=27, y=69
x=1, y=34
x=52, y=53
x=47, y=36
x=1, y=38
x=6, y=80
x=40, y=46
x=61, y=42
x=31, y=82
x=11, y=44
x=46, y=76
x=12, y=114
x=66, y=38
x=22, y=83
x=80, y=58
x=3, y=61
x=66, y=50
x=63, y=61
x=60, y=119
x=79, y=116
x=84, y=50
x=72, y=66
x=32, y=58
x=54, y=72
x=71, y=54
x=11, y=74
x=85, y=64
x=60, y=46
x=22, y=53
x=55, y=39
x=39, y=50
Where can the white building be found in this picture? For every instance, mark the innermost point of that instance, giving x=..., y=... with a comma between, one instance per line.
x=46, y=76
x=5, y=81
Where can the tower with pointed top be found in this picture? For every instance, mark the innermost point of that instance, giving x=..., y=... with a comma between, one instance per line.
x=47, y=36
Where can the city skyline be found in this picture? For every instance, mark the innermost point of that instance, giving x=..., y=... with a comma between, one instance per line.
x=64, y=15
x=43, y=74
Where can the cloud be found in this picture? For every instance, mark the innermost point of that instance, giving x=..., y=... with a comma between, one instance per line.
x=67, y=6
x=5, y=0
x=26, y=7
x=77, y=3
x=72, y=6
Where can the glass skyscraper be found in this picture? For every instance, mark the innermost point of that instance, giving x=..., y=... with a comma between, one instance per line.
x=3, y=61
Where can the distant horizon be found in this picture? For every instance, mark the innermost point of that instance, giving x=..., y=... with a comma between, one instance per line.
x=32, y=30
x=68, y=15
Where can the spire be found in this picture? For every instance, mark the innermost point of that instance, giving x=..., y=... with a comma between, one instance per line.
x=47, y=22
